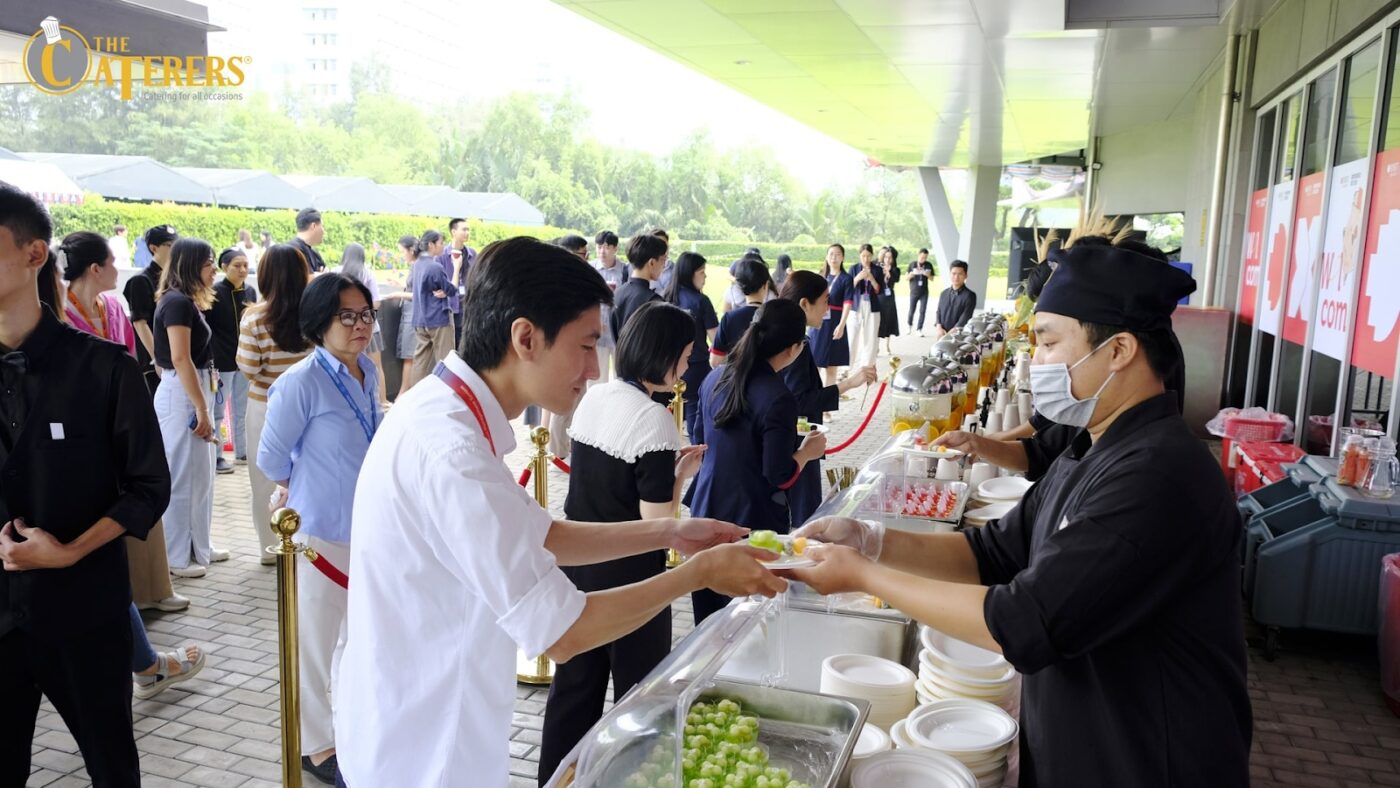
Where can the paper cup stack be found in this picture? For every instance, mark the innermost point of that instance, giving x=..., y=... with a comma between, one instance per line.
x=975, y=733
x=951, y=669
x=888, y=686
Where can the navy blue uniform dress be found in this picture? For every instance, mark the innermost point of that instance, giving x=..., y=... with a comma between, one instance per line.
x=826, y=351
x=703, y=313
x=804, y=380
x=1122, y=613
x=731, y=329
x=748, y=468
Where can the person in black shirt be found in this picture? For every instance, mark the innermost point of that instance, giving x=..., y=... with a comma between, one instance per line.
x=646, y=253
x=628, y=464
x=310, y=233
x=232, y=295
x=955, y=304
x=71, y=405
x=140, y=292
x=753, y=280
x=919, y=274
x=185, y=405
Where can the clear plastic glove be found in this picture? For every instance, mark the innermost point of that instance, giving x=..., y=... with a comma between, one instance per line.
x=278, y=499
x=865, y=536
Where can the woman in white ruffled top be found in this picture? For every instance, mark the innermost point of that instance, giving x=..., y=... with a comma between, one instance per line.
x=628, y=463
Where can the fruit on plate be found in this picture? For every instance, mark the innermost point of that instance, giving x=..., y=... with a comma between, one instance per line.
x=803, y=426
x=766, y=540
x=720, y=750
x=799, y=545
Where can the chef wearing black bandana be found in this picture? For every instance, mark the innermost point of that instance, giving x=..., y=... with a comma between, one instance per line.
x=1114, y=585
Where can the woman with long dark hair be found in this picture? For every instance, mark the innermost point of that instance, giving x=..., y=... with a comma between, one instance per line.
x=627, y=464
x=748, y=422
x=809, y=291
x=866, y=285
x=687, y=291
x=92, y=306
x=889, y=310
x=781, y=271
x=185, y=404
x=830, y=346
x=269, y=343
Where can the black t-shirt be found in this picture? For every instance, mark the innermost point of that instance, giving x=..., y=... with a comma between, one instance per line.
x=224, y=318
x=919, y=284
x=628, y=299
x=313, y=257
x=604, y=489
x=178, y=309
x=140, y=295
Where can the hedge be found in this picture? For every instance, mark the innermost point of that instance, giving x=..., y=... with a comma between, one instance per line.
x=220, y=226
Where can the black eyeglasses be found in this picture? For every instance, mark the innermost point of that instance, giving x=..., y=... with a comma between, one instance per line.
x=347, y=317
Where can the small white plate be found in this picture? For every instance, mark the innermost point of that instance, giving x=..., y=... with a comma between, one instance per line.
x=791, y=561
x=992, y=511
x=1005, y=488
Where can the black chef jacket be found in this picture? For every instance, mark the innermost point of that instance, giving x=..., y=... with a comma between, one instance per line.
x=88, y=447
x=1114, y=587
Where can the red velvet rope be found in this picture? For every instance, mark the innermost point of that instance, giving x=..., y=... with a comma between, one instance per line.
x=864, y=423
x=332, y=574
x=561, y=465
x=525, y=476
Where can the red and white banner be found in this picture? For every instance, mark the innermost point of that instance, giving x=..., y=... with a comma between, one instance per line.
x=1378, y=308
x=1341, y=252
x=1253, y=251
x=1307, y=235
x=1275, y=258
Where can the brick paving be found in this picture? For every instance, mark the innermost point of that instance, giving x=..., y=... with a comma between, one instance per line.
x=1319, y=716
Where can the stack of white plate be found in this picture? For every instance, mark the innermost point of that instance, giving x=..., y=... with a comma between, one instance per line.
x=872, y=740
x=977, y=734
x=911, y=769
x=950, y=669
x=1004, y=488
x=982, y=515
x=887, y=685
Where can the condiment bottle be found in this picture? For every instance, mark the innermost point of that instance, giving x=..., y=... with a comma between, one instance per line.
x=1383, y=470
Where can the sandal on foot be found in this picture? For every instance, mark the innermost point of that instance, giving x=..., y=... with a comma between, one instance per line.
x=165, y=675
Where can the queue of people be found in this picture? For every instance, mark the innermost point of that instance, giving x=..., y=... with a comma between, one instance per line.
x=448, y=553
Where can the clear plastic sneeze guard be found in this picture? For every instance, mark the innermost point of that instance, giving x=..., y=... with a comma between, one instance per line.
x=898, y=486
x=641, y=741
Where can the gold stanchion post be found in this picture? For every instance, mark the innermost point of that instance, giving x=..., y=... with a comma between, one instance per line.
x=539, y=670
x=673, y=557
x=285, y=523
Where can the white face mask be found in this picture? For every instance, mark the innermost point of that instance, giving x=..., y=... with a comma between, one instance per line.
x=1053, y=397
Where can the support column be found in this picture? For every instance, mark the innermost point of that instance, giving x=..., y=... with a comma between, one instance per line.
x=978, y=227
x=938, y=215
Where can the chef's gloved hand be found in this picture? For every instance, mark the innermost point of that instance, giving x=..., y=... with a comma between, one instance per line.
x=865, y=536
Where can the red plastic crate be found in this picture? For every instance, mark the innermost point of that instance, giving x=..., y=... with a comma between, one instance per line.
x=1268, y=430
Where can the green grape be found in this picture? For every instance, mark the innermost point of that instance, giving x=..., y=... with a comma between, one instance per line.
x=766, y=540
x=702, y=783
x=728, y=706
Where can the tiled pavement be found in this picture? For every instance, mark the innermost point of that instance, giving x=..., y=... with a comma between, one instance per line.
x=1319, y=717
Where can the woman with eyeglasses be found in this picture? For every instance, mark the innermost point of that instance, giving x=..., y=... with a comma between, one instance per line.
x=321, y=415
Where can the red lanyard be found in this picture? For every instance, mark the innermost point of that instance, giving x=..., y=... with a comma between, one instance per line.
x=468, y=396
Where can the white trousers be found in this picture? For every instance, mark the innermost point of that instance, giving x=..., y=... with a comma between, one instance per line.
x=605, y=357
x=864, y=326
x=262, y=487
x=321, y=606
x=191, y=510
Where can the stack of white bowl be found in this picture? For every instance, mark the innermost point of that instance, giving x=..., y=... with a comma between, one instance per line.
x=888, y=686
x=975, y=733
x=911, y=769
x=950, y=669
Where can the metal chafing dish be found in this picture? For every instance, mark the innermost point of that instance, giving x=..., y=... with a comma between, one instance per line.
x=810, y=734
x=922, y=395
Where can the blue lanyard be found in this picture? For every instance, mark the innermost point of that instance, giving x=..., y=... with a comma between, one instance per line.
x=368, y=425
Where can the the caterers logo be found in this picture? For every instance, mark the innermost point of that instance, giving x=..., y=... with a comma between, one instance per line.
x=58, y=60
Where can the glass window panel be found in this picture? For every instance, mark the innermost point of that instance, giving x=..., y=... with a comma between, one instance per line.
x=1288, y=142
x=1317, y=134
x=1358, y=104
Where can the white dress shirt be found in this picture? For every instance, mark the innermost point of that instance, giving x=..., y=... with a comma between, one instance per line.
x=449, y=574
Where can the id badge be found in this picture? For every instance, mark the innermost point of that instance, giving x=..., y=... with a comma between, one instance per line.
x=826, y=316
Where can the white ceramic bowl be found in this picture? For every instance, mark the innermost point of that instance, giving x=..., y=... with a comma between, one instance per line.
x=969, y=728
x=966, y=658
x=911, y=769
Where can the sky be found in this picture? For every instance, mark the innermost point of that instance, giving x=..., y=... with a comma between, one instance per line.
x=638, y=98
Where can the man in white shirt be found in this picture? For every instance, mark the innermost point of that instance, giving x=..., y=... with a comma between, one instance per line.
x=454, y=566
x=120, y=246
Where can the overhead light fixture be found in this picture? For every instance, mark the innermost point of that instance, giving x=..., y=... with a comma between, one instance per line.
x=742, y=63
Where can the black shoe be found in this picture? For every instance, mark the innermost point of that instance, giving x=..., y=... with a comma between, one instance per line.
x=222, y=466
x=325, y=772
